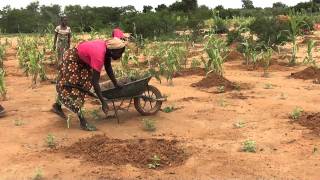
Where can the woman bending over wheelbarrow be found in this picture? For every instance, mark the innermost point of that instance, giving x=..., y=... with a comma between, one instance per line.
x=81, y=67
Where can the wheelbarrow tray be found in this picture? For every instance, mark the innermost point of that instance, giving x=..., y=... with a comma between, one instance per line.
x=129, y=90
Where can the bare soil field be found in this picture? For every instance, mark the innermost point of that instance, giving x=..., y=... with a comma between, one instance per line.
x=202, y=139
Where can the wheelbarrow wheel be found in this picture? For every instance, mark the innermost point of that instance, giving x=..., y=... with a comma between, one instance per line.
x=147, y=104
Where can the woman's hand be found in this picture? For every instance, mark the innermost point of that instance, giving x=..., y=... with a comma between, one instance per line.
x=105, y=107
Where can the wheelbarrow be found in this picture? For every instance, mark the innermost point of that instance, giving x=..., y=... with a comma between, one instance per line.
x=146, y=98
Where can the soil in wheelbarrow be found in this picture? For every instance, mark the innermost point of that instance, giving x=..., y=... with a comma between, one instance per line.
x=307, y=74
x=310, y=121
x=137, y=152
x=215, y=80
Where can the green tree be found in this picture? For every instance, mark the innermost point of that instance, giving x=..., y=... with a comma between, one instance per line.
x=161, y=7
x=247, y=4
x=279, y=5
x=147, y=9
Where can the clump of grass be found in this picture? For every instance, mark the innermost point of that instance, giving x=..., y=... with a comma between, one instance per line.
x=249, y=146
x=222, y=102
x=221, y=89
x=239, y=125
x=51, y=141
x=283, y=96
x=149, y=125
x=296, y=113
x=38, y=175
x=155, y=162
x=195, y=63
x=268, y=86
x=18, y=122
x=315, y=150
x=168, y=109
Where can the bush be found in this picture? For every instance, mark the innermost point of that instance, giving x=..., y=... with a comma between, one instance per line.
x=220, y=26
x=235, y=36
x=268, y=30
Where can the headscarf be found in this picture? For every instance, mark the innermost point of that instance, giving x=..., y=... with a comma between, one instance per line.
x=118, y=33
x=115, y=43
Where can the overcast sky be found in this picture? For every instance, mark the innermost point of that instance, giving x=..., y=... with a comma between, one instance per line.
x=140, y=3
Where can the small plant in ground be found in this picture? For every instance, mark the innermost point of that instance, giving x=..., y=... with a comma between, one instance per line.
x=2, y=54
x=268, y=86
x=149, y=124
x=315, y=150
x=3, y=90
x=50, y=140
x=222, y=102
x=68, y=121
x=195, y=63
x=18, y=122
x=221, y=89
x=168, y=109
x=155, y=162
x=237, y=87
x=38, y=174
x=296, y=22
x=296, y=113
x=266, y=59
x=249, y=146
x=217, y=52
x=239, y=124
x=309, y=59
x=283, y=96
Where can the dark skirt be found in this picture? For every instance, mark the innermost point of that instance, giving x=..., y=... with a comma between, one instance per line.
x=74, y=72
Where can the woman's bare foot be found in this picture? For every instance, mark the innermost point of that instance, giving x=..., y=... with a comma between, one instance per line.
x=56, y=108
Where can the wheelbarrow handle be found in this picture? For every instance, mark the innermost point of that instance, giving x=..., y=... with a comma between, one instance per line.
x=80, y=89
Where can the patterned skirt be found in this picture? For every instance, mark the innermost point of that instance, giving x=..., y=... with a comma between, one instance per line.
x=74, y=72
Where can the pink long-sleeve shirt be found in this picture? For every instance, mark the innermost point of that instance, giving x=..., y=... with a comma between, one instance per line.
x=93, y=53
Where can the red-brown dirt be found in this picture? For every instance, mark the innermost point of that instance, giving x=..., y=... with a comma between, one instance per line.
x=310, y=121
x=190, y=72
x=215, y=80
x=308, y=73
x=203, y=128
x=102, y=150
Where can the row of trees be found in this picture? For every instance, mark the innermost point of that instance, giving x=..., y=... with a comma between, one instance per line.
x=163, y=19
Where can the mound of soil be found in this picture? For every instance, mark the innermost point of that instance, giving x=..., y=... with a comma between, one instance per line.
x=137, y=152
x=190, y=72
x=215, y=80
x=306, y=74
x=310, y=121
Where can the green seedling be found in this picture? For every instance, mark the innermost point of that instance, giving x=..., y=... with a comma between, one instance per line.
x=50, y=140
x=249, y=146
x=315, y=150
x=239, y=125
x=3, y=89
x=223, y=103
x=268, y=86
x=149, y=125
x=18, y=122
x=68, y=121
x=296, y=113
x=309, y=59
x=195, y=63
x=155, y=162
x=38, y=175
x=168, y=109
x=283, y=96
x=220, y=89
